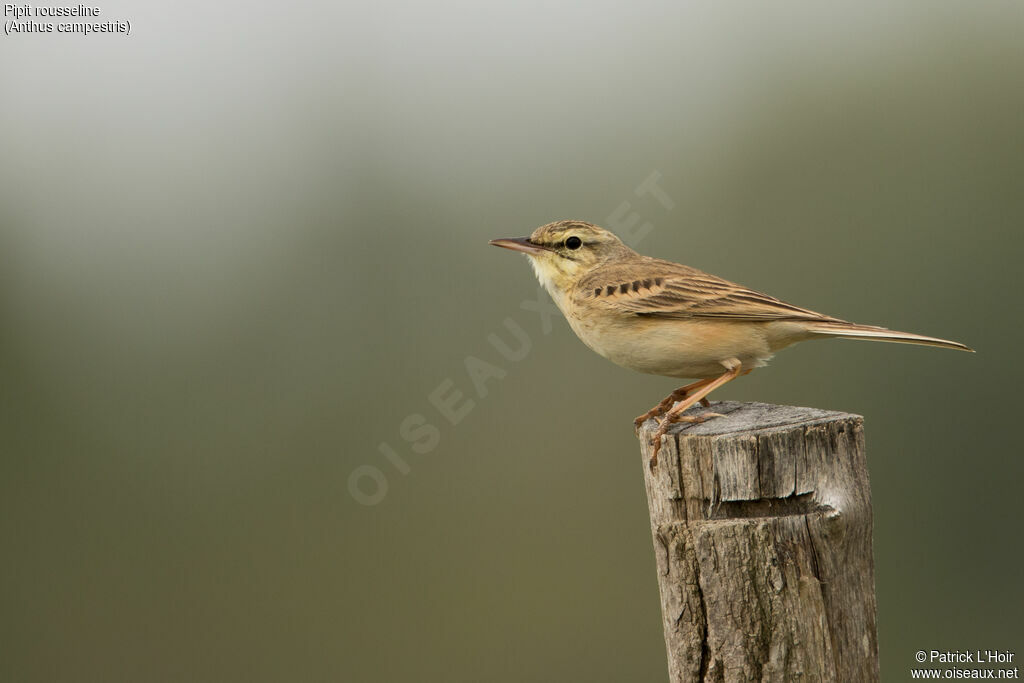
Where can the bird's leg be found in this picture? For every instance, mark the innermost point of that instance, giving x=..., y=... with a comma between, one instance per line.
x=666, y=403
x=676, y=413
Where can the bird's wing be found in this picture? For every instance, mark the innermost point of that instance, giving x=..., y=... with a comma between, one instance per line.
x=671, y=290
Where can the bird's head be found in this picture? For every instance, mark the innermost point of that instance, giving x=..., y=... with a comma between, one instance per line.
x=564, y=251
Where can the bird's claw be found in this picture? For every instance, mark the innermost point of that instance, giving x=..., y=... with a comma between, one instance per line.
x=663, y=429
x=639, y=422
x=653, y=462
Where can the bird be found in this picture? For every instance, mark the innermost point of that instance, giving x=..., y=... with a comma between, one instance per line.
x=663, y=318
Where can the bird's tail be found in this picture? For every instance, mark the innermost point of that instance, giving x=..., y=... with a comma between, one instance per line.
x=870, y=332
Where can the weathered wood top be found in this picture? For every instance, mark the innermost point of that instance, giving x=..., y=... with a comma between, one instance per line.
x=749, y=417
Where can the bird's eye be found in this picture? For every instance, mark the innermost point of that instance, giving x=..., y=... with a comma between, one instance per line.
x=573, y=242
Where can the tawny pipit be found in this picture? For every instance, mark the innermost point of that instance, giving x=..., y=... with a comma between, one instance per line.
x=664, y=318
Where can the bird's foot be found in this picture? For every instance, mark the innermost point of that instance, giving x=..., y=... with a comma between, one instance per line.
x=701, y=389
x=666, y=405
x=668, y=421
x=658, y=410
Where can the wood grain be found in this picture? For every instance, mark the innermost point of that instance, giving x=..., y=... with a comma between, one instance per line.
x=762, y=534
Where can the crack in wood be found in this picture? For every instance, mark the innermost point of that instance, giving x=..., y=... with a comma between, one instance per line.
x=705, y=647
x=792, y=506
x=764, y=520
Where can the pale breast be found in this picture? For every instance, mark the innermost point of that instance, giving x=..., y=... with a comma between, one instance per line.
x=672, y=347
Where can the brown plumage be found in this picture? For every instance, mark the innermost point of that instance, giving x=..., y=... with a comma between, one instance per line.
x=665, y=318
x=682, y=292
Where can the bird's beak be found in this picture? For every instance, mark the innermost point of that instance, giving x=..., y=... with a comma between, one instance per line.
x=522, y=244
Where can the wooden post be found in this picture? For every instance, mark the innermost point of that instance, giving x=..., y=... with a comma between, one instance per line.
x=762, y=533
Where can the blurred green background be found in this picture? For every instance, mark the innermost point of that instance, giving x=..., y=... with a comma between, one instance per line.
x=239, y=248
